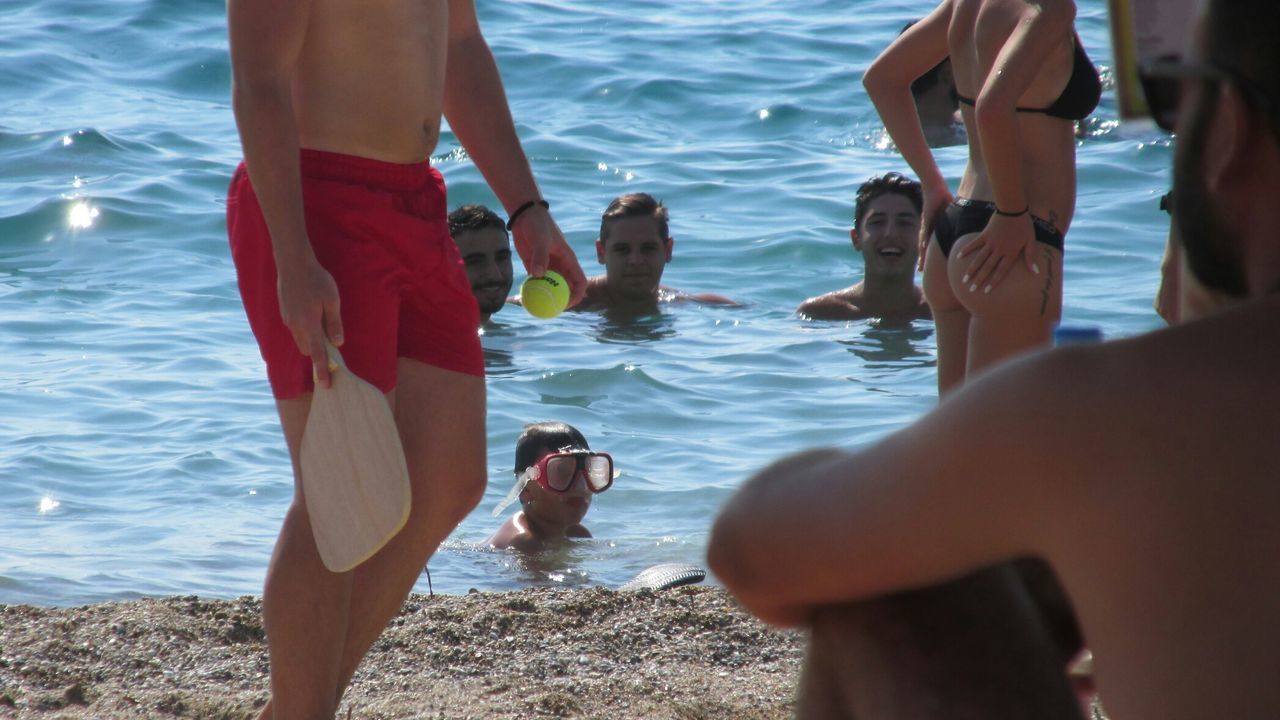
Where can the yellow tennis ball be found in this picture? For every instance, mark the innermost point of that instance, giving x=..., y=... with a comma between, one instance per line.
x=545, y=297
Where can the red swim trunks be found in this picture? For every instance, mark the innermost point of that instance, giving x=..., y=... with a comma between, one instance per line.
x=381, y=230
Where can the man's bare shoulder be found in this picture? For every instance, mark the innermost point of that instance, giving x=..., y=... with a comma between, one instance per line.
x=596, y=296
x=835, y=305
x=670, y=294
x=507, y=535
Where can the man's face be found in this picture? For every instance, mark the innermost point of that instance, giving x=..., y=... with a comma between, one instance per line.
x=1212, y=245
x=888, y=237
x=486, y=255
x=566, y=508
x=634, y=256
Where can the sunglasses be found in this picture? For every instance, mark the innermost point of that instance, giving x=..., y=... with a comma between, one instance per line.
x=1162, y=85
x=556, y=471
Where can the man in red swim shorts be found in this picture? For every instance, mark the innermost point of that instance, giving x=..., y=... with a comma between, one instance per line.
x=338, y=230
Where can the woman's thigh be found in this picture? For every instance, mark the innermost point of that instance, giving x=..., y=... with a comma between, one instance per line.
x=950, y=319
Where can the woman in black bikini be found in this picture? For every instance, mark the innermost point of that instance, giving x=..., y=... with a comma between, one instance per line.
x=992, y=255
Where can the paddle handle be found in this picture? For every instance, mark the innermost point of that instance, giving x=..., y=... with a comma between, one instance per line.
x=333, y=357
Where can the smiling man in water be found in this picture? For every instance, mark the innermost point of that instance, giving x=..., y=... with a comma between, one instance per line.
x=482, y=239
x=886, y=227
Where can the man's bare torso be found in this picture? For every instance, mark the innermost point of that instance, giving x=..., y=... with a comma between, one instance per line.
x=370, y=78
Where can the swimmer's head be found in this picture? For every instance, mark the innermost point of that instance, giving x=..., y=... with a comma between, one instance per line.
x=551, y=508
x=634, y=246
x=890, y=183
x=886, y=227
x=936, y=86
x=485, y=247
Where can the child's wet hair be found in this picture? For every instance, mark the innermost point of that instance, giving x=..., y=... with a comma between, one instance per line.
x=553, y=435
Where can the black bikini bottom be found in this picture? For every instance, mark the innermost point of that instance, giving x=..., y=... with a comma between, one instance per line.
x=964, y=216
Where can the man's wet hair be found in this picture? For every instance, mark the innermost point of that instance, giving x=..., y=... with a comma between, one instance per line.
x=1241, y=36
x=925, y=82
x=892, y=182
x=635, y=205
x=553, y=436
x=470, y=218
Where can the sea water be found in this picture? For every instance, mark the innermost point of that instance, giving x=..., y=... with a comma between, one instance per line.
x=140, y=452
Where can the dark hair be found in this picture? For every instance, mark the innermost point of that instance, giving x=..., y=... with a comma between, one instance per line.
x=925, y=82
x=1242, y=36
x=892, y=182
x=550, y=435
x=470, y=218
x=635, y=205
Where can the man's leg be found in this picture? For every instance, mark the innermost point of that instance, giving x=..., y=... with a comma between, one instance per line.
x=304, y=606
x=972, y=648
x=440, y=415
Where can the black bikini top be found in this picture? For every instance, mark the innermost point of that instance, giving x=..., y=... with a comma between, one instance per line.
x=1078, y=98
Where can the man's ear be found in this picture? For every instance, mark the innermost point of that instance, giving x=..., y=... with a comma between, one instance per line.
x=1228, y=155
x=600, y=251
x=856, y=238
x=671, y=244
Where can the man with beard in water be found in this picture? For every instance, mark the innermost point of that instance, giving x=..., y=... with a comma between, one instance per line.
x=1144, y=470
x=485, y=247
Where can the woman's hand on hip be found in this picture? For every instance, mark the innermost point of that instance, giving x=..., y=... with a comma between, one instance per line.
x=993, y=253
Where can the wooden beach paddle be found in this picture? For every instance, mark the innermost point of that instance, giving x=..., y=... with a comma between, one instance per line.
x=354, y=475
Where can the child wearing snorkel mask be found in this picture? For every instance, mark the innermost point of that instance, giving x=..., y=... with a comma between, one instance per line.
x=556, y=476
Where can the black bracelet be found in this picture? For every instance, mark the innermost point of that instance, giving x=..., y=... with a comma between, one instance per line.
x=1002, y=213
x=512, y=222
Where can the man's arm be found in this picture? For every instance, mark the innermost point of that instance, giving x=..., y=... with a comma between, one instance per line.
x=266, y=40
x=476, y=107
x=977, y=481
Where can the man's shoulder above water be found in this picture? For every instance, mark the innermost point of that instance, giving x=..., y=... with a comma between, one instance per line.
x=600, y=297
x=852, y=303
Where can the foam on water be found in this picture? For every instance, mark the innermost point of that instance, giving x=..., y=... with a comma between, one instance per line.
x=139, y=449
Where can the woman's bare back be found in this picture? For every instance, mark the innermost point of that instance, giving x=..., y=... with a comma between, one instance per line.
x=979, y=39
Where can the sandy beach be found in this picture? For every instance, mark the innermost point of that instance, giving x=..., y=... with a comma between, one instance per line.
x=685, y=653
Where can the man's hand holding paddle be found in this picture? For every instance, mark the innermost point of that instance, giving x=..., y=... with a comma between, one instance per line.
x=310, y=308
